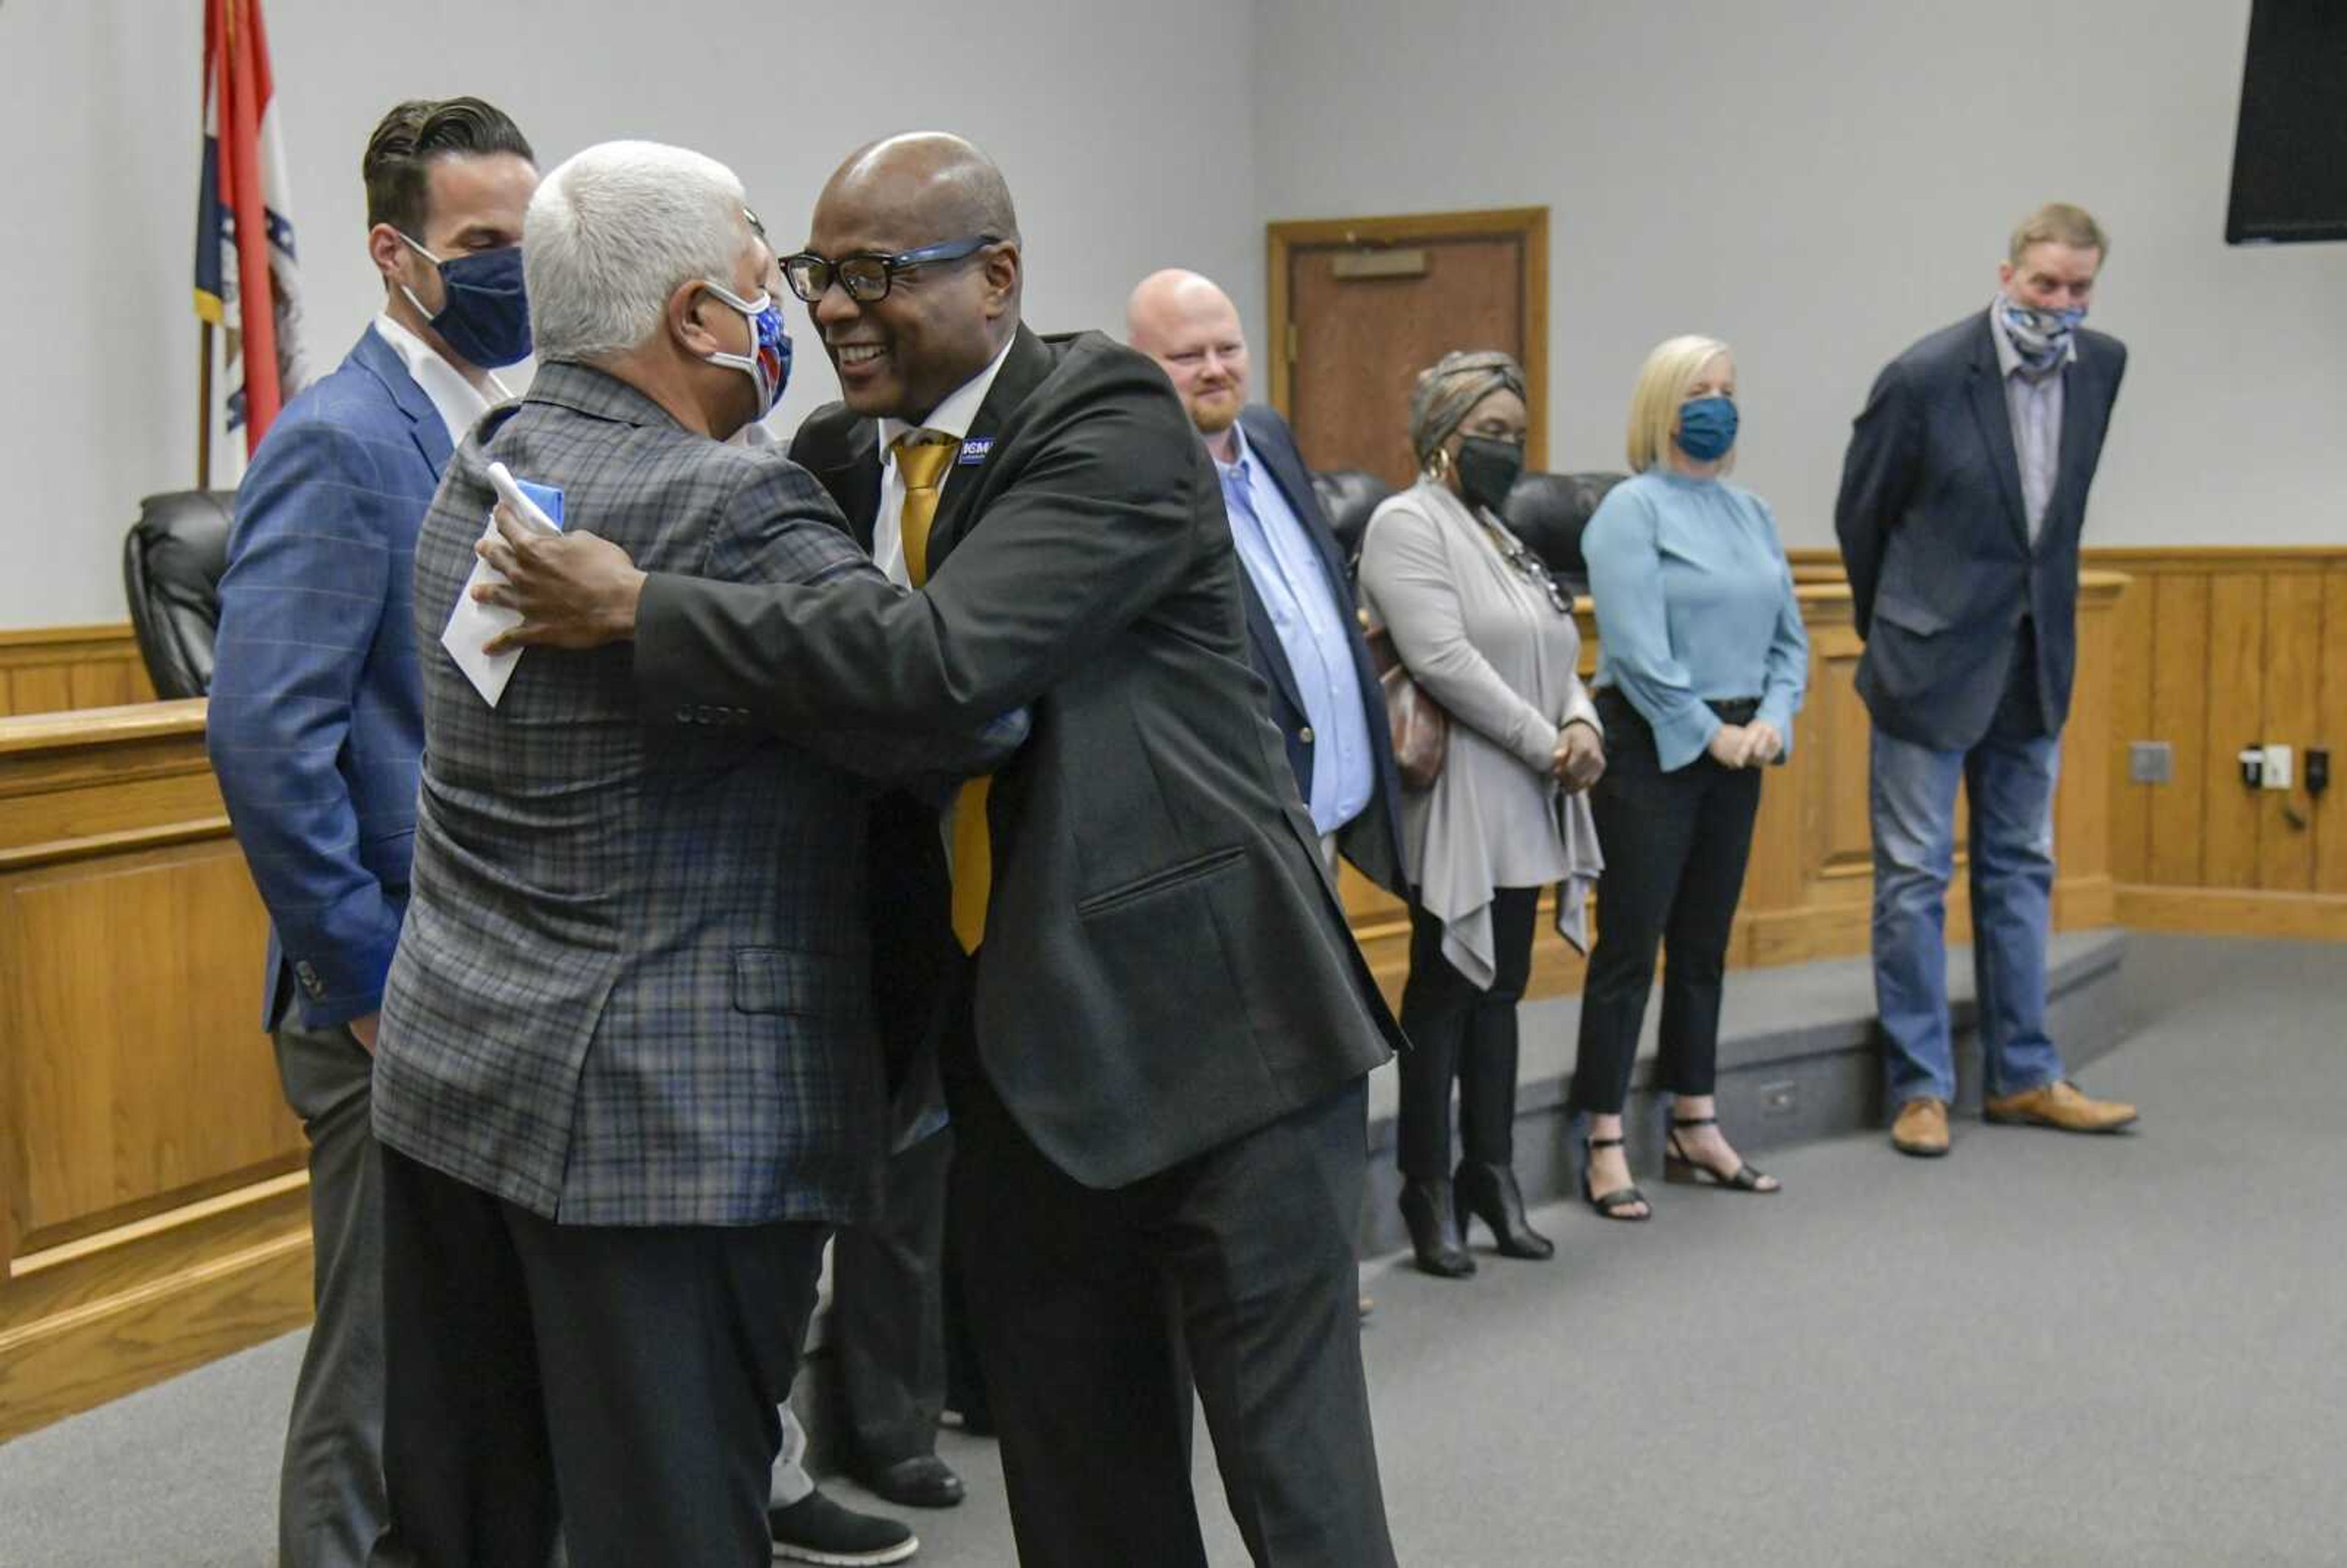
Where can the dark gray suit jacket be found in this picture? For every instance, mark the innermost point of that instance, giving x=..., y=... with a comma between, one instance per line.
x=1941, y=569
x=1372, y=841
x=632, y=987
x=1166, y=967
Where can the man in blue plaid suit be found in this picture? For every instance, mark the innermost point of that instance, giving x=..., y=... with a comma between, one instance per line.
x=628, y=1078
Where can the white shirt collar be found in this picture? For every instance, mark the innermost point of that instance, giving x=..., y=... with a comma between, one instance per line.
x=1239, y=453
x=458, y=401
x=953, y=416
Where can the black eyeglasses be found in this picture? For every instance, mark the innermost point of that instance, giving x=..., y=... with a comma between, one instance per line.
x=867, y=275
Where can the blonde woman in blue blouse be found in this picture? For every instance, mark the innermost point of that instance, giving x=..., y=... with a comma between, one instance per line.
x=1702, y=664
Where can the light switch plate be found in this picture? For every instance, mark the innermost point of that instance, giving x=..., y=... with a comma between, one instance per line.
x=2276, y=770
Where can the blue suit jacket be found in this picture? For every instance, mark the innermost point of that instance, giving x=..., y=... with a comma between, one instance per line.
x=1372, y=841
x=1941, y=567
x=316, y=725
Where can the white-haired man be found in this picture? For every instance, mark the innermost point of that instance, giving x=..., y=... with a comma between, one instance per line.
x=625, y=1081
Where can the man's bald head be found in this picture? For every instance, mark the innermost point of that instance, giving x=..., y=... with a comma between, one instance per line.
x=941, y=322
x=930, y=177
x=1189, y=326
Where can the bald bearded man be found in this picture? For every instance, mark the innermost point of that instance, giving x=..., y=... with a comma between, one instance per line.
x=1304, y=629
x=1157, y=1058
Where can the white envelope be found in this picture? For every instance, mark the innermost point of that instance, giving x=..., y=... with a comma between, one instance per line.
x=471, y=623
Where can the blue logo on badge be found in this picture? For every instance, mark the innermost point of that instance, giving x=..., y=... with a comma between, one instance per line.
x=975, y=450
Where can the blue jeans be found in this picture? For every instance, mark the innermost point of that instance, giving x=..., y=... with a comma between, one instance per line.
x=2010, y=773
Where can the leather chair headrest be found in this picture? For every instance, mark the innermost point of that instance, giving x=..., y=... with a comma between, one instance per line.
x=1348, y=496
x=1548, y=512
x=171, y=566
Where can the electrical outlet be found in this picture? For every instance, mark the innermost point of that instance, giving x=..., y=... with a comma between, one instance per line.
x=1777, y=1098
x=2151, y=761
x=2276, y=774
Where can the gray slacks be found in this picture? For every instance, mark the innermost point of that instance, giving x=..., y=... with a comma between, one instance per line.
x=329, y=1504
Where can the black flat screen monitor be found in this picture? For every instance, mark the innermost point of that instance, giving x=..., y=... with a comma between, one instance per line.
x=2289, y=153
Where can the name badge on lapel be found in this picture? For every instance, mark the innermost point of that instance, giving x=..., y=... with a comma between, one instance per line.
x=974, y=451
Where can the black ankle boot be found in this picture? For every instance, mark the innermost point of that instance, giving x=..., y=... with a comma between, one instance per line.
x=1427, y=1209
x=1490, y=1193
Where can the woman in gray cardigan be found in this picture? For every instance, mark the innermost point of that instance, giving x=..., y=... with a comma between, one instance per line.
x=1487, y=633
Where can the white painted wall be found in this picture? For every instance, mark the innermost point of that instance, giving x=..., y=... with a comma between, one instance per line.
x=1127, y=149
x=1821, y=182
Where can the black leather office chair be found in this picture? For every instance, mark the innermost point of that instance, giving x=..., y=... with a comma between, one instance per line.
x=171, y=566
x=1348, y=496
x=1548, y=512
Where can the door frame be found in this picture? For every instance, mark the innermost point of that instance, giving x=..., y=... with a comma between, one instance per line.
x=1531, y=223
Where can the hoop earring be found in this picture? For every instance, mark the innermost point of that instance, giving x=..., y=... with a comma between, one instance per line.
x=1437, y=465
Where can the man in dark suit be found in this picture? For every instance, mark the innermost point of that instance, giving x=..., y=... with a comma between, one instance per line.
x=627, y=1077
x=1157, y=1081
x=316, y=723
x=1961, y=502
x=1304, y=629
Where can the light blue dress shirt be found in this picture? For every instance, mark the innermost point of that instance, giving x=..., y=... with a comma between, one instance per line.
x=1292, y=580
x=2033, y=404
x=1694, y=602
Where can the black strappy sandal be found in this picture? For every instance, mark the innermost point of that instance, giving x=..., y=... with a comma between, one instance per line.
x=1678, y=1168
x=1615, y=1204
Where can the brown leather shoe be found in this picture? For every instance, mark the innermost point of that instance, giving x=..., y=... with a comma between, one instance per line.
x=2059, y=1104
x=1922, y=1129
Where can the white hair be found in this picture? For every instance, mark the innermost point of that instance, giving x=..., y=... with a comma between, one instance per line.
x=612, y=232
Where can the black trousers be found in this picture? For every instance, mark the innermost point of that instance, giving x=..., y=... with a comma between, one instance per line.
x=1458, y=1032
x=1083, y=1299
x=1675, y=845
x=888, y=1310
x=615, y=1386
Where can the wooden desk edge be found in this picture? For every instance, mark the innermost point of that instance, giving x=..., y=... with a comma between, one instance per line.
x=77, y=728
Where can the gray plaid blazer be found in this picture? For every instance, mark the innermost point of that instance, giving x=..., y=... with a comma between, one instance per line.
x=634, y=985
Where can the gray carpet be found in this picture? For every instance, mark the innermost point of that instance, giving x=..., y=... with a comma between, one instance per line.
x=2042, y=1350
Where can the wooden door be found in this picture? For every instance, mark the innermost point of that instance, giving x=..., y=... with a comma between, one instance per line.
x=1359, y=306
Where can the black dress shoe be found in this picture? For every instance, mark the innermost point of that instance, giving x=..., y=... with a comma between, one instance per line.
x=1434, y=1240
x=925, y=1481
x=816, y=1529
x=1490, y=1193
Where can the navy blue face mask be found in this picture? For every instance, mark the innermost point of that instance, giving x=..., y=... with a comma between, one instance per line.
x=484, y=310
x=1706, y=428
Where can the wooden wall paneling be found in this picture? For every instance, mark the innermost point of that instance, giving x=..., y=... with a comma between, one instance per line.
x=107, y=683
x=155, y=1200
x=1844, y=844
x=2230, y=811
x=2179, y=716
x=146, y=1081
x=2293, y=702
x=55, y=669
x=2330, y=812
x=2234, y=912
x=2083, y=792
x=40, y=689
x=2130, y=665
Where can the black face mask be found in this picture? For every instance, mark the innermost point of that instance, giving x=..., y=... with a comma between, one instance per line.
x=1488, y=470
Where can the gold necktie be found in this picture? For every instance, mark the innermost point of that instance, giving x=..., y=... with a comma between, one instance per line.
x=921, y=461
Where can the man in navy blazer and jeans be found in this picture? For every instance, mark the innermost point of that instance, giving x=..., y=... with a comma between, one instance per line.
x=1961, y=502
x=316, y=725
